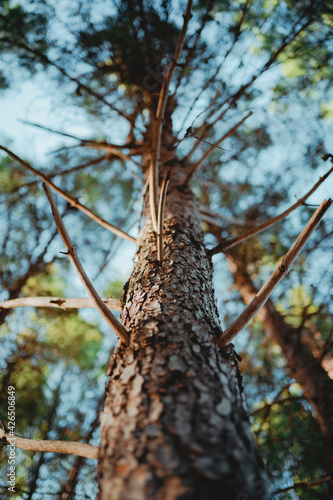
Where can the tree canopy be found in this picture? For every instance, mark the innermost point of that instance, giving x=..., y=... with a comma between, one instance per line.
x=249, y=113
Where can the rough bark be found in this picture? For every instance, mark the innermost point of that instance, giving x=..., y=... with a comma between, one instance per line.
x=174, y=424
x=305, y=368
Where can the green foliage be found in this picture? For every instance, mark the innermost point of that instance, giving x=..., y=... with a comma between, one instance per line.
x=115, y=289
x=11, y=176
x=22, y=29
x=44, y=284
x=72, y=339
x=126, y=44
x=290, y=442
x=327, y=110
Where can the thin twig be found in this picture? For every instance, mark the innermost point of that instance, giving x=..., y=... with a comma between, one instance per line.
x=222, y=247
x=189, y=130
x=210, y=217
x=72, y=201
x=48, y=129
x=159, y=117
x=303, y=484
x=71, y=252
x=160, y=220
x=195, y=167
x=68, y=447
x=144, y=192
x=59, y=302
x=264, y=293
x=80, y=85
x=67, y=171
x=232, y=99
x=104, y=146
x=100, y=145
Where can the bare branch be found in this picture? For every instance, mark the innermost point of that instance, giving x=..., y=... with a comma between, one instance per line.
x=90, y=163
x=210, y=217
x=195, y=167
x=100, y=145
x=59, y=302
x=160, y=220
x=80, y=85
x=233, y=98
x=72, y=201
x=158, y=122
x=71, y=252
x=68, y=447
x=166, y=83
x=266, y=290
x=48, y=129
x=304, y=484
x=212, y=79
x=222, y=247
x=104, y=146
x=143, y=198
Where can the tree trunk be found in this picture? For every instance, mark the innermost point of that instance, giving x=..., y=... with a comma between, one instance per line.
x=174, y=424
x=305, y=368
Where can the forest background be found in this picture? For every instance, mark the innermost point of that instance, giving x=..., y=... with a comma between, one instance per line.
x=79, y=82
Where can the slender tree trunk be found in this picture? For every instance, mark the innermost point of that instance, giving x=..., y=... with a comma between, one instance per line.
x=174, y=424
x=305, y=368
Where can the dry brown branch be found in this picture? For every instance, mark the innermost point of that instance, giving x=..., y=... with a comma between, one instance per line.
x=48, y=129
x=222, y=247
x=143, y=199
x=303, y=484
x=159, y=117
x=59, y=302
x=264, y=293
x=72, y=201
x=88, y=286
x=80, y=85
x=94, y=161
x=233, y=99
x=195, y=167
x=160, y=220
x=113, y=149
x=210, y=217
x=68, y=447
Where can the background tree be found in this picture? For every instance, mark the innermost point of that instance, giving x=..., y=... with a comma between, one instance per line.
x=252, y=78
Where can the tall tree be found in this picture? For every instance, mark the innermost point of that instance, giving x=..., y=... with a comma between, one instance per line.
x=162, y=89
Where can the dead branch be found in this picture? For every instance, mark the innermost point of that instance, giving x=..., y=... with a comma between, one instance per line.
x=59, y=302
x=222, y=247
x=48, y=129
x=210, y=217
x=88, y=286
x=72, y=201
x=264, y=293
x=160, y=220
x=67, y=171
x=232, y=100
x=110, y=148
x=195, y=167
x=143, y=199
x=211, y=80
x=159, y=117
x=303, y=484
x=68, y=447
x=80, y=85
